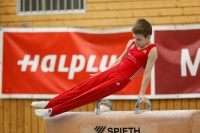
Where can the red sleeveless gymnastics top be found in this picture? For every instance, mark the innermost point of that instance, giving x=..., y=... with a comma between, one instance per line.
x=135, y=61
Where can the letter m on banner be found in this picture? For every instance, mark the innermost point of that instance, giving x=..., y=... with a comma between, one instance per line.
x=187, y=62
x=177, y=70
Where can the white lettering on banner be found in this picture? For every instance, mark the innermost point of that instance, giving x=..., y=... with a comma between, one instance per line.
x=77, y=64
x=186, y=61
x=90, y=64
x=74, y=68
x=52, y=60
x=104, y=61
x=61, y=66
x=25, y=62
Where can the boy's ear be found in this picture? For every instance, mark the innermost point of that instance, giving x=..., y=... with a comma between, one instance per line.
x=148, y=37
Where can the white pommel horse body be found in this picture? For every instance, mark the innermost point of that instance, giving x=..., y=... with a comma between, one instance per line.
x=176, y=121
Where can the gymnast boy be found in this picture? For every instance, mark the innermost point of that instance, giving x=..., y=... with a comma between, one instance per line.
x=139, y=54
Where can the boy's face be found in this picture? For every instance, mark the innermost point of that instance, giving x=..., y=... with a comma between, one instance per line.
x=140, y=40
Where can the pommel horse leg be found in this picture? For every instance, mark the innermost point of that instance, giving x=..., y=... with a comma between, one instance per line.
x=176, y=121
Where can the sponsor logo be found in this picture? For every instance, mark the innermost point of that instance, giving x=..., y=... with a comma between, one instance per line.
x=100, y=129
x=103, y=129
x=131, y=57
x=53, y=63
x=144, y=51
x=117, y=83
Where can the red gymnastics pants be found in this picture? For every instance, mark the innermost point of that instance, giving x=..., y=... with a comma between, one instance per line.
x=91, y=90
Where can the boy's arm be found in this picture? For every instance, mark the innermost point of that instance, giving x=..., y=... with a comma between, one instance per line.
x=118, y=60
x=152, y=56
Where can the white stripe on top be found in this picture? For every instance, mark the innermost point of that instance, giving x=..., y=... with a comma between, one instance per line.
x=138, y=71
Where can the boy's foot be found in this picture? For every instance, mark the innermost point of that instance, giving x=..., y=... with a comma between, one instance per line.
x=40, y=104
x=43, y=112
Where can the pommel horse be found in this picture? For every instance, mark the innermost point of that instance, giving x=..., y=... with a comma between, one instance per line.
x=138, y=121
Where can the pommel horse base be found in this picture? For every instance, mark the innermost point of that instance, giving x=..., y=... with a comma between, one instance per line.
x=176, y=121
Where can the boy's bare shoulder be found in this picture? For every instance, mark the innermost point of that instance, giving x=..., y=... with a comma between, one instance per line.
x=129, y=43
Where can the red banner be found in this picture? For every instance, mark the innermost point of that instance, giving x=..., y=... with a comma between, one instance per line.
x=52, y=62
x=40, y=63
x=177, y=69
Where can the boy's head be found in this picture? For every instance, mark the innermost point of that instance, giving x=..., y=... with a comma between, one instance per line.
x=142, y=27
x=142, y=31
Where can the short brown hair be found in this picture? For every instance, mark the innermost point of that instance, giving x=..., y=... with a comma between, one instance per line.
x=143, y=27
